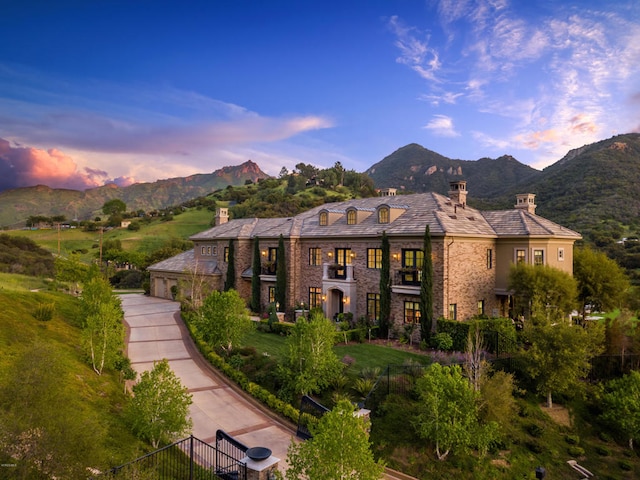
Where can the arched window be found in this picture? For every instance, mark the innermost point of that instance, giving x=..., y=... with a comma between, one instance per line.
x=324, y=219
x=351, y=217
x=383, y=215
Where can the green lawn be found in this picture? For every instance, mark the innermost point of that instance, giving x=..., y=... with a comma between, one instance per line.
x=366, y=355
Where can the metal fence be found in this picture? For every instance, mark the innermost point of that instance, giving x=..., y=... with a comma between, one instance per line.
x=188, y=459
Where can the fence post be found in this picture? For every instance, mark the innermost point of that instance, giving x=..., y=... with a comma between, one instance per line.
x=191, y=457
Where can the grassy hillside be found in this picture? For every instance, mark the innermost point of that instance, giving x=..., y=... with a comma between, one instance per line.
x=89, y=430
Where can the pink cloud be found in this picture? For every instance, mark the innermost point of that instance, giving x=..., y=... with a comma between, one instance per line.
x=26, y=166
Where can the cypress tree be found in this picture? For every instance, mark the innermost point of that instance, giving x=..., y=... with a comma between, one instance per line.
x=427, y=325
x=281, y=275
x=385, y=287
x=230, y=281
x=255, y=277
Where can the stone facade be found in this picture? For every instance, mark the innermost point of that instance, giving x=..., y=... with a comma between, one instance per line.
x=471, y=254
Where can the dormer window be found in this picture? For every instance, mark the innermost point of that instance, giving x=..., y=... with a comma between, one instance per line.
x=383, y=215
x=352, y=218
x=324, y=219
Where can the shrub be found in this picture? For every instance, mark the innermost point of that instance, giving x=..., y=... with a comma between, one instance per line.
x=44, y=312
x=572, y=439
x=575, y=451
x=602, y=451
x=535, y=430
x=625, y=465
x=535, y=447
x=442, y=341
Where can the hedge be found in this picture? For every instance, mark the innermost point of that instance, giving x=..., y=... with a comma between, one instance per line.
x=256, y=391
x=499, y=334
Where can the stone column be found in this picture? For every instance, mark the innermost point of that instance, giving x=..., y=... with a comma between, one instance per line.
x=261, y=469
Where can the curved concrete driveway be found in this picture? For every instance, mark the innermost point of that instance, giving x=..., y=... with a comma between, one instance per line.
x=156, y=331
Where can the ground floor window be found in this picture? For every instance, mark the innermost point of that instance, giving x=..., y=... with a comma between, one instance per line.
x=272, y=294
x=480, y=307
x=411, y=312
x=373, y=306
x=315, y=297
x=453, y=311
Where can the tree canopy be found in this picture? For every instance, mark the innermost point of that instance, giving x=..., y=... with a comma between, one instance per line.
x=310, y=364
x=338, y=450
x=223, y=319
x=602, y=283
x=543, y=294
x=158, y=411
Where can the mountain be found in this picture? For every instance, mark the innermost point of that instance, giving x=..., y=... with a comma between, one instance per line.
x=414, y=168
x=18, y=204
x=600, y=180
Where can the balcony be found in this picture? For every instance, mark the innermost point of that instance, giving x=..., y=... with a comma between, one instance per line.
x=407, y=281
x=333, y=271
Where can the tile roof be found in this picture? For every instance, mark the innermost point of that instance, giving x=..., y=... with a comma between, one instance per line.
x=185, y=262
x=413, y=212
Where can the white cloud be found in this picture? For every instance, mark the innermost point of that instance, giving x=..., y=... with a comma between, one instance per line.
x=442, y=125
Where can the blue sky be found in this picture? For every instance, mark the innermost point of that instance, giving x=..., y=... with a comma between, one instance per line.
x=99, y=91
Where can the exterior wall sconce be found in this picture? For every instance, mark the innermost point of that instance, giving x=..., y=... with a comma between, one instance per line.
x=324, y=298
x=330, y=254
x=395, y=256
x=345, y=300
x=353, y=255
x=264, y=253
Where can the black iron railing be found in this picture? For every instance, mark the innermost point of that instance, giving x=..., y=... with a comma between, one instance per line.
x=188, y=459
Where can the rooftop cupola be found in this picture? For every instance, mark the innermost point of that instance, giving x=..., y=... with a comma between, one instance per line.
x=458, y=192
x=526, y=201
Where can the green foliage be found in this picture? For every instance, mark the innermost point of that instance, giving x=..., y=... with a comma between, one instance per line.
x=159, y=409
x=114, y=206
x=310, y=364
x=442, y=341
x=385, y=287
x=339, y=449
x=230, y=279
x=103, y=331
x=621, y=405
x=41, y=419
x=44, y=312
x=23, y=255
x=223, y=319
x=559, y=356
x=542, y=294
x=281, y=274
x=256, y=303
x=447, y=414
x=602, y=283
x=427, y=325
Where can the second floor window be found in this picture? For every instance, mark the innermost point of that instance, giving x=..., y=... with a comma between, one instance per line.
x=412, y=266
x=351, y=217
x=374, y=258
x=324, y=219
x=489, y=258
x=226, y=254
x=315, y=256
x=521, y=255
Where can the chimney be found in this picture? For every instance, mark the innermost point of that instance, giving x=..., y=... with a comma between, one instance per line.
x=458, y=192
x=526, y=201
x=222, y=216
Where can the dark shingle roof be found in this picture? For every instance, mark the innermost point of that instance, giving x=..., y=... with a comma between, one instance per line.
x=413, y=212
x=185, y=262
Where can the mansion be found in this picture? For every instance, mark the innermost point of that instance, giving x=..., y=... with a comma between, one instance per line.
x=333, y=254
